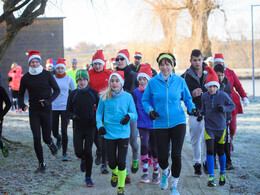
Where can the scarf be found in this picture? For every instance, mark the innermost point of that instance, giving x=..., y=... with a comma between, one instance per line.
x=60, y=75
x=83, y=89
x=140, y=88
x=35, y=71
x=117, y=94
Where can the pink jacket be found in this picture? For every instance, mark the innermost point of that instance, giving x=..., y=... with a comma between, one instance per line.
x=234, y=81
x=16, y=74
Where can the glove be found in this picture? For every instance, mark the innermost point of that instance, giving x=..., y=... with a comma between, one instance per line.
x=245, y=101
x=153, y=115
x=102, y=131
x=200, y=117
x=75, y=117
x=194, y=112
x=220, y=108
x=125, y=120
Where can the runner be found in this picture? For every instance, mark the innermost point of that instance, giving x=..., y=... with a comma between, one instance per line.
x=166, y=91
x=145, y=126
x=215, y=104
x=80, y=108
x=38, y=83
x=59, y=105
x=73, y=70
x=3, y=99
x=115, y=110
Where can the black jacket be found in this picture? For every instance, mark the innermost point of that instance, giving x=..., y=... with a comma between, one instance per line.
x=4, y=98
x=226, y=87
x=136, y=69
x=193, y=82
x=131, y=82
x=81, y=106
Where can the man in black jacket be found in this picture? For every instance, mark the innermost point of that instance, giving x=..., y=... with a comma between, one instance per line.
x=195, y=78
x=131, y=83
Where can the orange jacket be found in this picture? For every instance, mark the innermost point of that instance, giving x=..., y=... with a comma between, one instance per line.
x=16, y=75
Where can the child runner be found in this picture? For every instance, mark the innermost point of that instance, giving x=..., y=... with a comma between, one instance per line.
x=59, y=105
x=145, y=126
x=80, y=108
x=3, y=98
x=215, y=105
x=16, y=75
x=39, y=83
x=118, y=108
x=226, y=87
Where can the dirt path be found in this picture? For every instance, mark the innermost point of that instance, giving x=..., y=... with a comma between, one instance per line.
x=17, y=177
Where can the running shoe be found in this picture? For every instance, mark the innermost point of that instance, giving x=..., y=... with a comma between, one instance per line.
x=104, y=169
x=114, y=180
x=222, y=180
x=135, y=166
x=164, y=181
x=156, y=177
x=127, y=179
x=211, y=182
x=5, y=150
x=65, y=157
x=229, y=166
x=174, y=191
x=15, y=111
x=89, y=182
x=58, y=143
x=20, y=110
x=41, y=168
x=98, y=159
x=144, y=178
x=197, y=169
x=121, y=191
x=83, y=166
x=53, y=149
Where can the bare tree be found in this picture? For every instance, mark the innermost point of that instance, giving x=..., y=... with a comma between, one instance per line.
x=29, y=10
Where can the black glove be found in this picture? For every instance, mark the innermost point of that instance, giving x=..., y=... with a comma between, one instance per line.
x=194, y=112
x=125, y=120
x=220, y=108
x=102, y=131
x=75, y=117
x=200, y=117
x=153, y=115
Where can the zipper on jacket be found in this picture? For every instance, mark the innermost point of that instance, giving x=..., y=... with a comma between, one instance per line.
x=168, y=108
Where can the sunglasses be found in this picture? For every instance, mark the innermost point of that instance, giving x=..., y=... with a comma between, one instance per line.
x=121, y=59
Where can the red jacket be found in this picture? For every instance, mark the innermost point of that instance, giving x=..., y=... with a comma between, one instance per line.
x=234, y=81
x=99, y=80
x=16, y=75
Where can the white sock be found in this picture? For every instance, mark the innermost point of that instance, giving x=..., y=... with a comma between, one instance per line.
x=166, y=171
x=174, y=182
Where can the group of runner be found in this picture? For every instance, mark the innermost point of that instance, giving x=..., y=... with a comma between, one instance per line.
x=111, y=107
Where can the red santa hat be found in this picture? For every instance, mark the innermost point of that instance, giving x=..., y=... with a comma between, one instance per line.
x=138, y=54
x=60, y=63
x=212, y=77
x=113, y=60
x=219, y=58
x=145, y=71
x=33, y=54
x=98, y=57
x=125, y=54
x=49, y=63
x=119, y=75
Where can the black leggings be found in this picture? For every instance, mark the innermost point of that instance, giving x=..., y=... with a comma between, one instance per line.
x=210, y=143
x=64, y=125
x=148, y=142
x=83, y=138
x=163, y=136
x=116, y=153
x=1, y=128
x=40, y=120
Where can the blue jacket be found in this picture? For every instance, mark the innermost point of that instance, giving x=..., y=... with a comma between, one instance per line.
x=114, y=109
x=143, y=121
x=166, y=98
x=215, y=120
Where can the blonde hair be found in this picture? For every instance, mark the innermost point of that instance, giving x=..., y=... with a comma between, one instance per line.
x=107, y=93
x=14, y=65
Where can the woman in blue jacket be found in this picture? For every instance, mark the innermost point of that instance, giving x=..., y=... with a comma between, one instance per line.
x=169, y=121
x=115, y=109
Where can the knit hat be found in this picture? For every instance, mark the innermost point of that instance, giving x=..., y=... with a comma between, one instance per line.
x=219, y=68
x=33, y=54
x=74, y=60
x=99, y=57
x=145, y=71
x=219, y=58
x=125, y=54
x=212, y=77
x=49, y=63
x=119, y=75
x=61, y=63
x=82, y=73
x=138, y=54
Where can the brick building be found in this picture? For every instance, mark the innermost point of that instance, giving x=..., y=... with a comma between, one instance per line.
x=44, y=35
